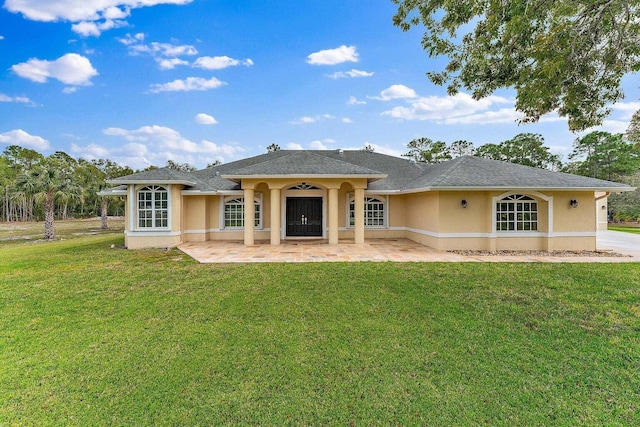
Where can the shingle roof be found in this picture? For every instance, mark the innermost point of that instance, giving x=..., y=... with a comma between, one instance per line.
x=304, y=163
x=164, y=175
x=393, y=174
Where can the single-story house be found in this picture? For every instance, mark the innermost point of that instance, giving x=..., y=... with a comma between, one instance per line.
x=465, y=203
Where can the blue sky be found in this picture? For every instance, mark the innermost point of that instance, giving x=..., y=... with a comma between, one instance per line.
x=203, y=80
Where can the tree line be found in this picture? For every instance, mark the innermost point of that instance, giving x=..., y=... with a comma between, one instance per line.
x=35, y=187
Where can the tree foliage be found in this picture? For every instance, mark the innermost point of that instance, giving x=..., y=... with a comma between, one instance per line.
x=273, y=147
x=565, y=56
x=525, y=149
x=33, y=186
x=605, y=156
x=427, y=150
x=461, y=148
x=633, y=131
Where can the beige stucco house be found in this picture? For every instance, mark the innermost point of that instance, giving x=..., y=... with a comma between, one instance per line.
x=465, y=203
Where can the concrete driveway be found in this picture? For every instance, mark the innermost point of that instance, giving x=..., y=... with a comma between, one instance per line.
x=619, y=241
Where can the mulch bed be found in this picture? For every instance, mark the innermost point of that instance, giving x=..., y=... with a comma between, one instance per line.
x=542, y=253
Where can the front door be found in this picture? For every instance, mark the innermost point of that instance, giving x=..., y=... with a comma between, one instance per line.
x=304, y=216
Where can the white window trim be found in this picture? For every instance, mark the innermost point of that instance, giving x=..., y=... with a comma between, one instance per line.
x=534, y=194
x=385, y=212
x=135, y=219
x=257, y=197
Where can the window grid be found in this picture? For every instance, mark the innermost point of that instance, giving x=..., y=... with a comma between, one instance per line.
x=373, y=212
x=234, y=213
x=153, y=207
x=517, y=213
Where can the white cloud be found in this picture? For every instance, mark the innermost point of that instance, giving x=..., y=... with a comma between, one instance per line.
x=154, y=145
x=91, y=151
x=1, y=37
x=333, y=56
x=626, y=109
x=69, y=89
x=346, y=120
x=294, y=146
x=349, y=74
x=304, y=120
x=90, y=28
x=220, y=62
x=460, y=108
x=79, y=11
x=19, y=99
x=354, y=101
x=170, y=64
x=307, y=119
x=318, y=145
x=396, y=92
x=23, y=139
x=187, y=85
x=503, y=115
x=128, y=40
x=164, y=49
x=205, y=119
x=71, y=69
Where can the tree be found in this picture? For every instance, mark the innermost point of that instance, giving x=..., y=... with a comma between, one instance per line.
x=461, y=148
x=633, y=131
x=103, y=170
x=273, y=147
x=216, y=163
x=525, y=149
x=428, y=151
x=46, y=182
x=605, y=156
x=368, y=148
x=184, y=167
x=563, y=55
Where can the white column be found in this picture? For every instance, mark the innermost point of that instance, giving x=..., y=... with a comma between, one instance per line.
x=333, y=216
x=359, y=215
x=249, y=216
x=275, y=216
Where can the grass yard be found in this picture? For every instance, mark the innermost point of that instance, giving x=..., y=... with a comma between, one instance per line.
x=625, y=228
x=91, y=335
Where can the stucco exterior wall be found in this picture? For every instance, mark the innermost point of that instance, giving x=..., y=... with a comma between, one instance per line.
x=195, y=218
x=138, y=238
x=435, y=219
x=602, y=210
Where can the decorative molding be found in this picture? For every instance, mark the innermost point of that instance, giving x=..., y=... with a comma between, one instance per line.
x=152, y=233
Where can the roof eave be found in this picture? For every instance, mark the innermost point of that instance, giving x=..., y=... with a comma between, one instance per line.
x=304, y=176
x=150, y=182
x=531, y=188
x=112, y=193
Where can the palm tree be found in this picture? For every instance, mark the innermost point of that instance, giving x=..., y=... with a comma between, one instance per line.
x=46, y=183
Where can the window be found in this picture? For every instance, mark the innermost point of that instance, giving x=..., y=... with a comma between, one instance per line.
x=234, y=212
x=153, y=207
x=517, y=213
x=373, y=212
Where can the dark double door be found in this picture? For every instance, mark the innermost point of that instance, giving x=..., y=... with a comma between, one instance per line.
x=304, y=216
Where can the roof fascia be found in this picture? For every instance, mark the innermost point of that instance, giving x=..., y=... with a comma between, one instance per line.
x=304, y=176
x=112, y=193
x=150, y=182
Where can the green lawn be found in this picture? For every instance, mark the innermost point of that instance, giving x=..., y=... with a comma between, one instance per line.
x=92, y=336
x=626, y=229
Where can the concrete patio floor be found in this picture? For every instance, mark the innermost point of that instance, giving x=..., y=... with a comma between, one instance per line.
x=395, y=250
